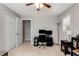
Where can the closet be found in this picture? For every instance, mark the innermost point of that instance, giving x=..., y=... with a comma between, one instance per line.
x=12, y=36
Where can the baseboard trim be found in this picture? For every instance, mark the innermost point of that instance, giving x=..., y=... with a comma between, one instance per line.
x=56, y=44
x=27, y=40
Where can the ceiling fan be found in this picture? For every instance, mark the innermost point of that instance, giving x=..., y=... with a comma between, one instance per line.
x=39, y=5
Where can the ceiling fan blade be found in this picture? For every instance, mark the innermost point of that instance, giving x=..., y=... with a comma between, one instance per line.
x=47, y=5
x=29, y=4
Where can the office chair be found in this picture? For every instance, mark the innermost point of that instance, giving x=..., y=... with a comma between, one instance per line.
x=75, y=46
x=42, y=40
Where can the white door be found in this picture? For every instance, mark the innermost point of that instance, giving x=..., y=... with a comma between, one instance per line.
x=19, y=32
x=10, y=32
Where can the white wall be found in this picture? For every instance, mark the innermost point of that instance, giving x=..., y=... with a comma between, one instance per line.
x=47, y=22
x=74, y=13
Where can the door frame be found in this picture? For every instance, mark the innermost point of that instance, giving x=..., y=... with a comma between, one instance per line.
x=18, y=33
x=23, y=29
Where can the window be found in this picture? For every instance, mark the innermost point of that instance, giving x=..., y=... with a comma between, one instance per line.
x=67, y=25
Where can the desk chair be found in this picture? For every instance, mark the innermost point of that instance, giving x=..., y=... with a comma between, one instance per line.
x=75, y=46
x=42, y=40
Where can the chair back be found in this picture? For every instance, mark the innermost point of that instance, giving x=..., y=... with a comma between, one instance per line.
x=42, y=38
x=75, y=42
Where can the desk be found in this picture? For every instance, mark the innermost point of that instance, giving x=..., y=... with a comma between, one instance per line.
x=49, y=41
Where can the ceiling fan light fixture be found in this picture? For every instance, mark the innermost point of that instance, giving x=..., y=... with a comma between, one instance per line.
x=37, y=5
x=41, y=5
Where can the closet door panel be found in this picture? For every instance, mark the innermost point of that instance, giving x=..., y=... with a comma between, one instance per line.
x=10, y=32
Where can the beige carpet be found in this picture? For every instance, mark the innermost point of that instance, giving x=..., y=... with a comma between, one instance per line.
x=26, y=49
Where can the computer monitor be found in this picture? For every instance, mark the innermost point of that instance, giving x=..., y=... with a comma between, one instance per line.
x=41, y=31
x=49, y=32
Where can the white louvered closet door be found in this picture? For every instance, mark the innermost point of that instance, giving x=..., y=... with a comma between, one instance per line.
x=10, y=32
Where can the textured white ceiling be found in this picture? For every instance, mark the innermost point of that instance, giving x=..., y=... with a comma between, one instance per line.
x=21, y=9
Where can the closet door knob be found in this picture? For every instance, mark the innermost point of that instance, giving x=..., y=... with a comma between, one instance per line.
x=17, y=33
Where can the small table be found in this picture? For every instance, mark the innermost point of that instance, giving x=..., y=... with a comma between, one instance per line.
x=65, y=44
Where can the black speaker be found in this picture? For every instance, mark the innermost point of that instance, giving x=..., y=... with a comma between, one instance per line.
x=35, y=41
x=49, y=41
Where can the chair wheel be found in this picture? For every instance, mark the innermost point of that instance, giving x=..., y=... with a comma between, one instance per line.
x=44, y=47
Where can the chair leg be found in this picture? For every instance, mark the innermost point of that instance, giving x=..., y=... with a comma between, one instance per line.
x=39, y=46
x=44, y=47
